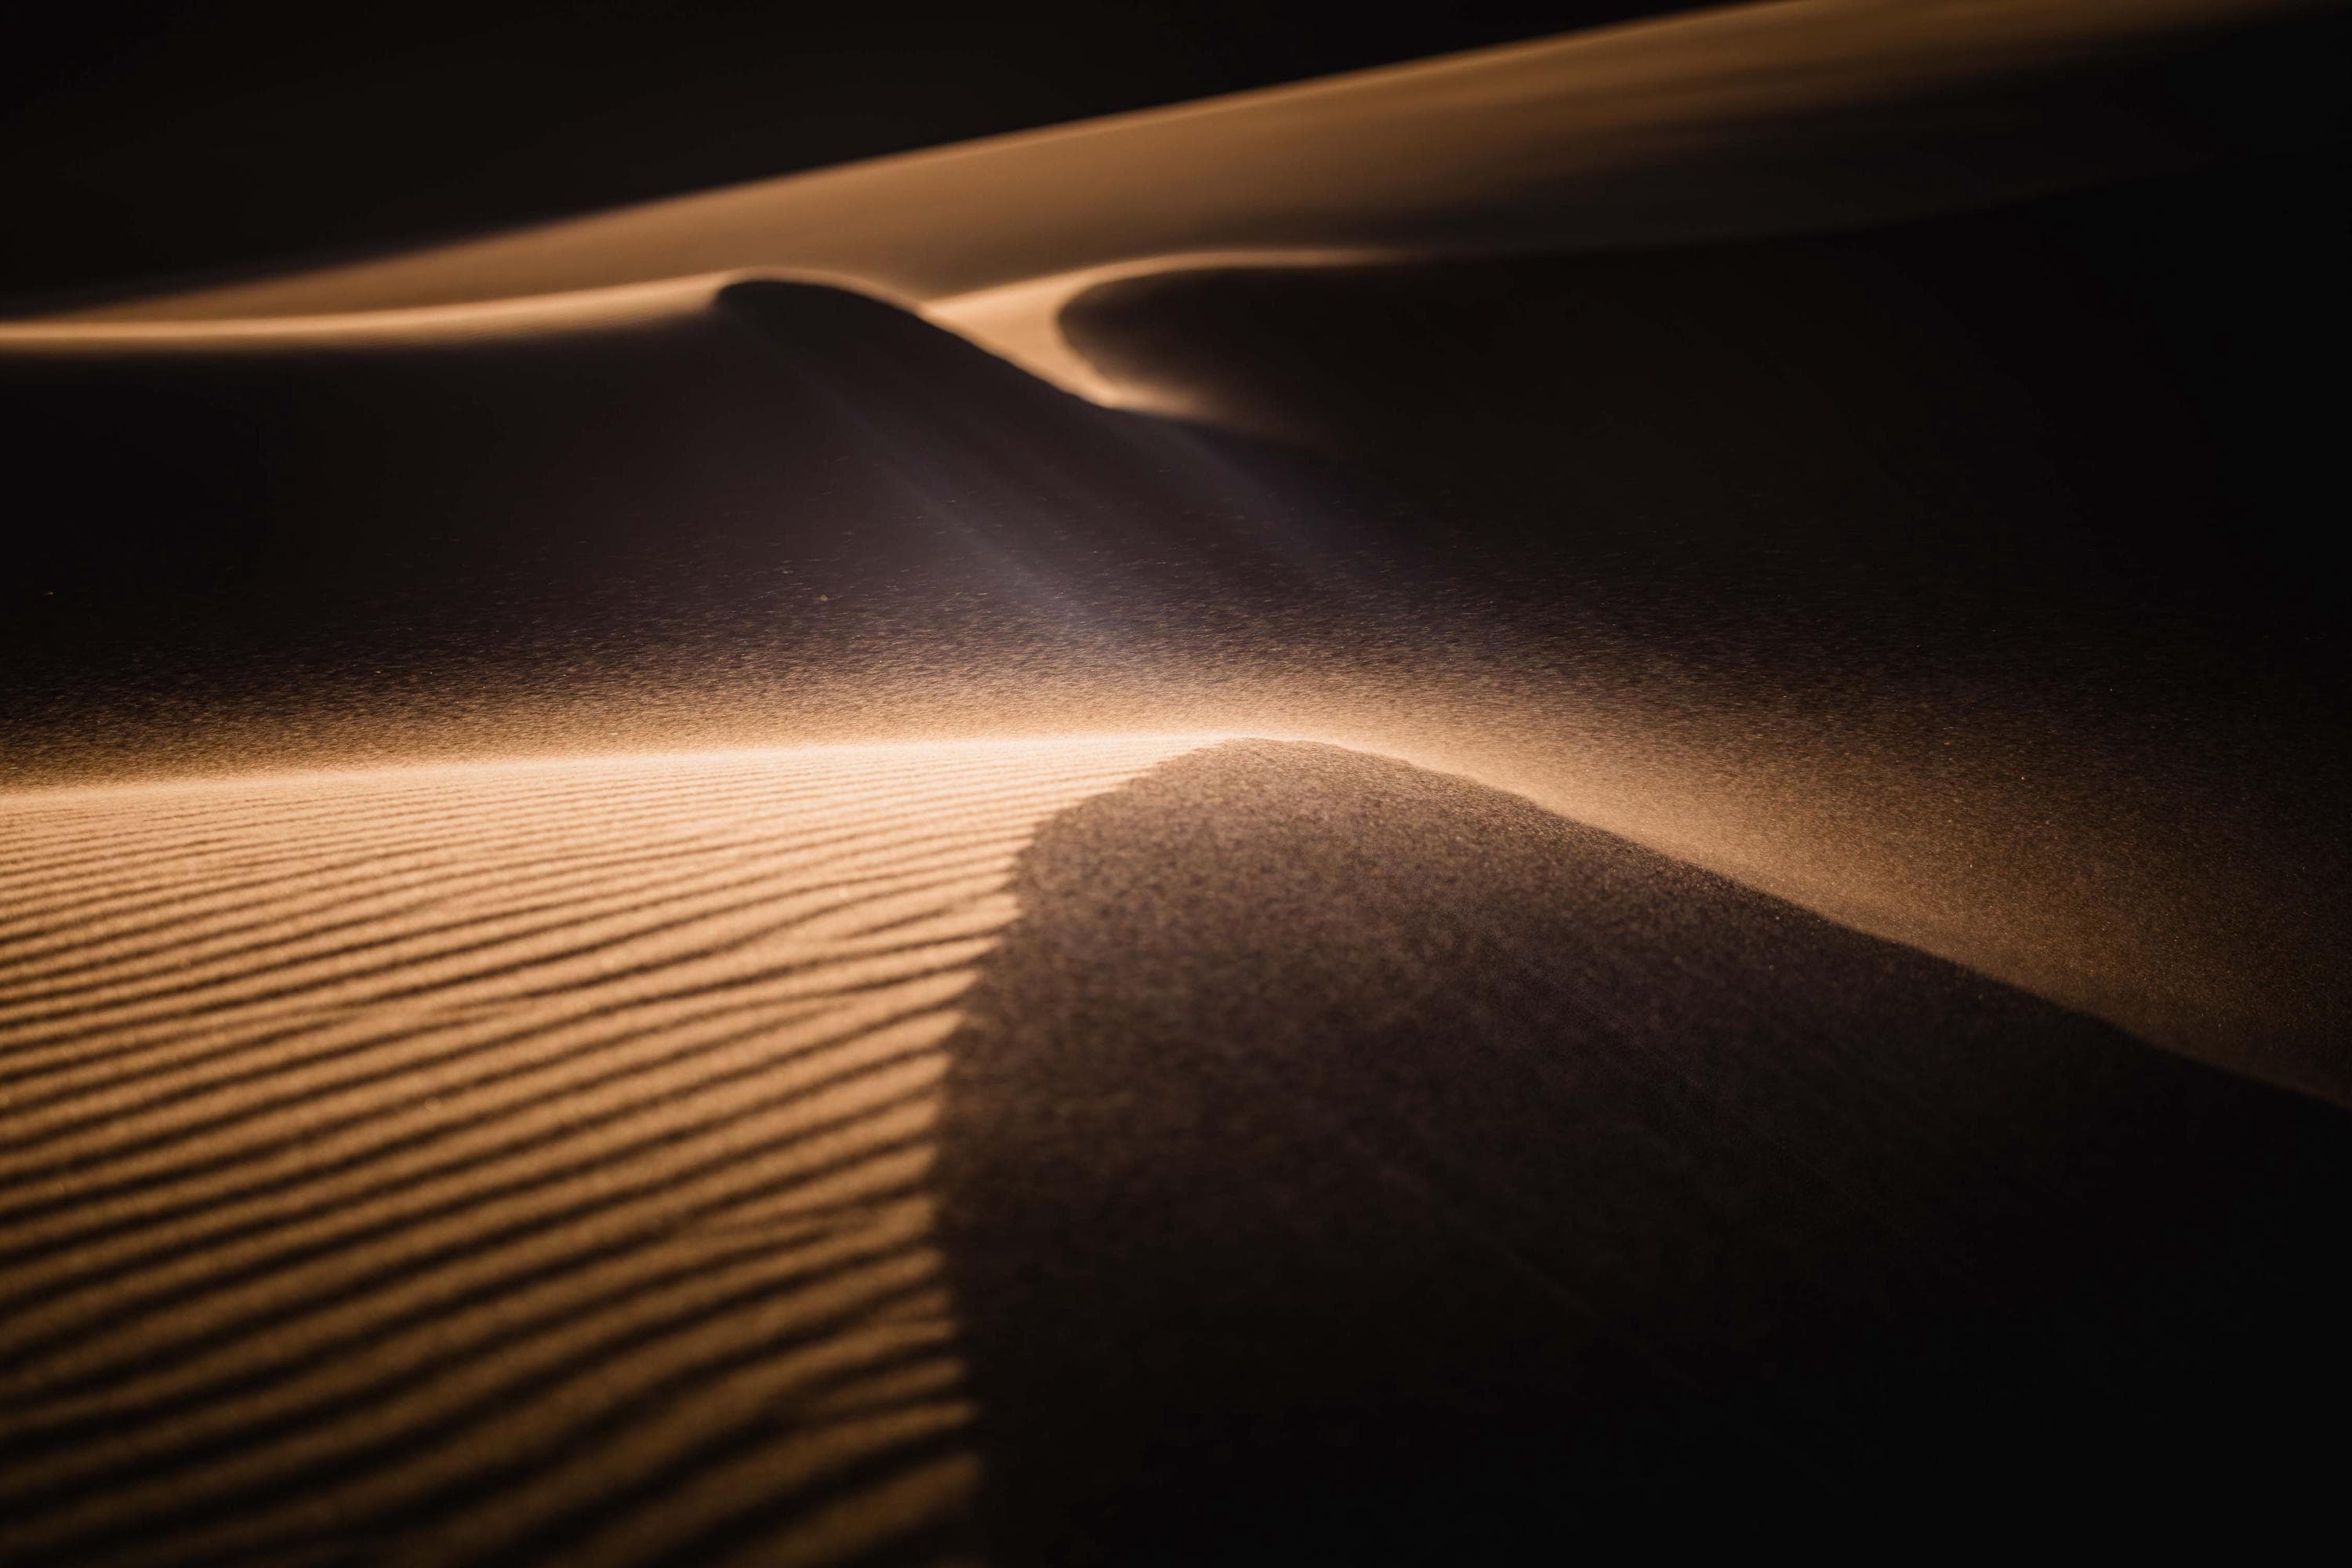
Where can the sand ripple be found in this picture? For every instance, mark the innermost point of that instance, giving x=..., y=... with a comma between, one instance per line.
x=495, y=1163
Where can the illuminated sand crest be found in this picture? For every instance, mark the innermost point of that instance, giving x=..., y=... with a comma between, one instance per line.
x=512, y=1158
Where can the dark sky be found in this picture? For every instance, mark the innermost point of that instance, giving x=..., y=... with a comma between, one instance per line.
x=161, y=142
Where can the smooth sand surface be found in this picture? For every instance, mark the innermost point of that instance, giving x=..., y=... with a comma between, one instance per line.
x=1342, y=1162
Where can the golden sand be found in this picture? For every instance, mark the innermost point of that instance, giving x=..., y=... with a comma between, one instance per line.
x=363, y=1135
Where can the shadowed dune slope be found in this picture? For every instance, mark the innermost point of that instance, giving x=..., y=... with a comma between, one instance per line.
x=1971, y=562
x=774, y=483
x=1341, y=1158
x=495, y=1164
x=672, y=469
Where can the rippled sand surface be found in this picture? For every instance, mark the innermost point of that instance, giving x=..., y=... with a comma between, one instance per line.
x=495, y=1160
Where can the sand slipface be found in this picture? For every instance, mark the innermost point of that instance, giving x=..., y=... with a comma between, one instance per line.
x=1093, y=1150
x=1339, y=1157
x=1946, y=571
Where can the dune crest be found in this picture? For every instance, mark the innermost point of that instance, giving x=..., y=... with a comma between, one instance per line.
x=1746, y=119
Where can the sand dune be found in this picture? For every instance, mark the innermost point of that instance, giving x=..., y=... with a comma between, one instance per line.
x=1794, y=688
x=1947, y=577
x=494, y=1161
x=1343, y=1161
x=1195, y=1144
x=1961, y=660
x=1759, y=117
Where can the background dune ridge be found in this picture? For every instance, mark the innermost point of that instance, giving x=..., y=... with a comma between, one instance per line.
x=495, y=1162
x=1668, y=130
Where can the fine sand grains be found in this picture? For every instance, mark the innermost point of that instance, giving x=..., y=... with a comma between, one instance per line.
x=495, y=1163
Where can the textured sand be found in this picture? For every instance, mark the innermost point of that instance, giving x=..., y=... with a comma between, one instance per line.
x=1774, y=732
x=499, y=1162
x=1342, y=1162
x=1096, y=1150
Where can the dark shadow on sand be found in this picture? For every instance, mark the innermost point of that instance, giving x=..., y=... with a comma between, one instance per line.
x=1345, y=1162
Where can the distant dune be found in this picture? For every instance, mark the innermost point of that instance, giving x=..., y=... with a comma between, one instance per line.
x=1736, y=119
x=1955, y=655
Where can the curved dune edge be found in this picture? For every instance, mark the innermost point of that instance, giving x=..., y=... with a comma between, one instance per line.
x=1781, y=840
x=1021, y=321
x=1018, y=322
x=1604, y=137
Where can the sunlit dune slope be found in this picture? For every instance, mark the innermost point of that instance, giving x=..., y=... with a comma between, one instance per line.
x=1899, y=638
x=1082, y=1146
x=496, y=1162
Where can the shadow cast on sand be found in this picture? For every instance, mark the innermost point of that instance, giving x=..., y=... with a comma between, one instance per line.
x=1283, y=1153
x=1345, y=1162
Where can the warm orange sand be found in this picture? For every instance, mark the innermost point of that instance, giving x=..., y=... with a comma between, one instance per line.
x=1093, y=1145
x=1738, y=120
x=368, y=1139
